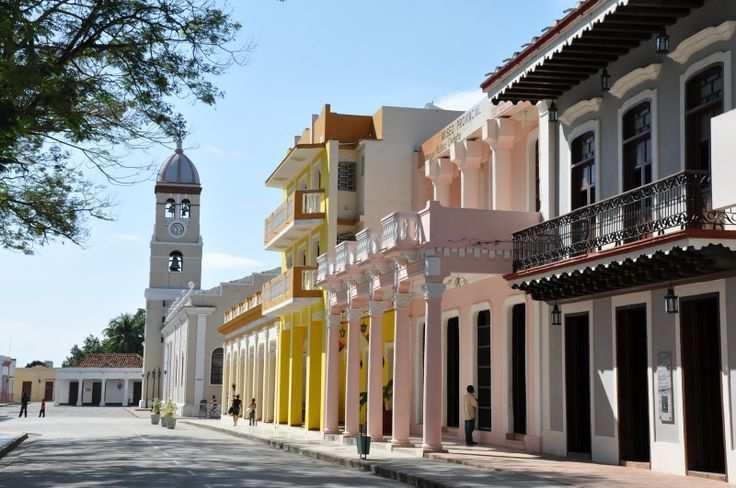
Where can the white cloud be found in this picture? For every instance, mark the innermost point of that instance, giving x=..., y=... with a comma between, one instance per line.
x=215, y=150
x=127, y=237
x=462, y=100
x=220, y=261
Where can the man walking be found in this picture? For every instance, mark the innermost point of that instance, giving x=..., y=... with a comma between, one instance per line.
x=471, y=407
x=24, y=405
x=42, y=412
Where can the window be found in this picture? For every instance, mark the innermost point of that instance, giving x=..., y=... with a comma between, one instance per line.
x=703, y=101
x=186, y=209
x=170, y=209
x=637, y=146
x=346, y=176
x=583, y=170
x=216, y=367
x=483, y=361
x=176, y=262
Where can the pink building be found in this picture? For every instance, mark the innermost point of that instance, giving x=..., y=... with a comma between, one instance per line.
x=426, y=281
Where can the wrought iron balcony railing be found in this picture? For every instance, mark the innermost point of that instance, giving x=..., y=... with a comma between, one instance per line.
x=678, y=202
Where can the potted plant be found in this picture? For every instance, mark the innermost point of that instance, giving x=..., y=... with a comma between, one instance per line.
x=155, y=411
x=168, y=411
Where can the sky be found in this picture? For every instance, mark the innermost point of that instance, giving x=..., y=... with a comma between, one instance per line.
x=357, y=56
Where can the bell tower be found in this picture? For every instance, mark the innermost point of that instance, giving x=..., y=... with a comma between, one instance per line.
x=176, y=258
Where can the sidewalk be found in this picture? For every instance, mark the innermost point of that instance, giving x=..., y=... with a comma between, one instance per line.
x=459, y=467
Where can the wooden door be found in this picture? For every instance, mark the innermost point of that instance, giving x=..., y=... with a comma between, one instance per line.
x=631, y=378
x=27, y=388
x=48, y=393
x=96, y=393
x=136, y=392
x=453, y=372
x=73, y=392
x=518, y=367
x=577, y=384
x=701, y=369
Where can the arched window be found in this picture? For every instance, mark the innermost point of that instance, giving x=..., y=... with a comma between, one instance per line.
x=170, y=209
x=176, y=262
x=483, y=360
x=216, y=367
x=703, y=101
x=186, y=209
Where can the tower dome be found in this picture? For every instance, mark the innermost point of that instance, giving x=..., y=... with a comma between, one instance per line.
x=178, y=170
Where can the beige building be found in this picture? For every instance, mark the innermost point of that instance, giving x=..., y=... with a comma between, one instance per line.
x=37, y=382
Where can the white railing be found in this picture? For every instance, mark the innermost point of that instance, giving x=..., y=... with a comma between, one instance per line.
x=283, y=214
x=365, y=245
x=401, y=229
x=323, y=267
x=277, y=287
x=343, y=256
x=312, y=202
x=309, y=279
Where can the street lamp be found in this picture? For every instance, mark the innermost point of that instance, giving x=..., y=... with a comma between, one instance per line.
x=663, y=43
x=553, y=113
x=605, y=80
x=671, y=301
x=556, y=315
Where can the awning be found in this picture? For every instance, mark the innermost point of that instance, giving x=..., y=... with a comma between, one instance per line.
x=574, y=49
x=293, y=164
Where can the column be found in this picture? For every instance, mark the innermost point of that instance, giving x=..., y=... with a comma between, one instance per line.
x=314, y=371
x=199, y=356
x=125, y=392
x=402, y=372
x=352, y=375
x=282, y=403
x=441, y=172
x=80, y=393
x=500, y=134
x=332, y=388
x=375, y=369
x=104, y=387
x=432, y=415
x=548, y=153
x=468, y=156
x=296, y=383
x=266, y=383
x=225, y=376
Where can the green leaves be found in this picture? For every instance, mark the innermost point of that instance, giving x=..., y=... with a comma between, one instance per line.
x=80, y=79
x=124, y=334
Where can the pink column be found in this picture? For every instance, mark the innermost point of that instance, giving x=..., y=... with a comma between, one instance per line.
x=352, y=375
x=402, y=372
x=375, y=370
x=432, y=429
x=333, y=371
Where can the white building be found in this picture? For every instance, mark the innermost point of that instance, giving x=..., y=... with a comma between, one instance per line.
x=7, y=378
x=100, y=379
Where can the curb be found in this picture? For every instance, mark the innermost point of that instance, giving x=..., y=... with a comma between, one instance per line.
x=12, y=445
x=378, y=468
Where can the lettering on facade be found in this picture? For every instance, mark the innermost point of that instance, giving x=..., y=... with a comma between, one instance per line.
x=664, y=387
x=457, y=130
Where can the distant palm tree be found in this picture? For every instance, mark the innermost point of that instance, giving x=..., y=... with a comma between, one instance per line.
x=125, y=333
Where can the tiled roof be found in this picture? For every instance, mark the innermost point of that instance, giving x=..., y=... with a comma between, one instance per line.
x=111, y=360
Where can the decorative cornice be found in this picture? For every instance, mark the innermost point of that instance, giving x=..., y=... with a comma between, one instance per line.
x=703, y=39
x=636, y=77
x=579, y=109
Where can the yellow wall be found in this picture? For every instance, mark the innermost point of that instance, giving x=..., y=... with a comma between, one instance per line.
x=38, y=377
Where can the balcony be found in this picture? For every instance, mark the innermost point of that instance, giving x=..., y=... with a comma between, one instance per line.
x=661, y=232
x=242, y=314
x=301, y=213
x=292, y=290
x=401, y=231
x=344, y=257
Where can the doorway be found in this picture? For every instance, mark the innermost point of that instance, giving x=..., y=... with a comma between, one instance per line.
x=48, y=393
x=518, y=367
x=96, y=392
x=701, y=371
x=26, y=391
x=577, y=384
x=631, y=380
x=136, y=392
x=453, y=372
x=73, y=392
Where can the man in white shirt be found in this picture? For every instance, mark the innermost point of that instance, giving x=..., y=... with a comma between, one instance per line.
x=471, y=408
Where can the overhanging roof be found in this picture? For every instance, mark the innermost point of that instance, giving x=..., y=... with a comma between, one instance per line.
x=293, y=164
x=582, y=43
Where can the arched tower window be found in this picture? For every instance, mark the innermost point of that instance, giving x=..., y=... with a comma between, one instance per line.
x=170, y=209
x=176, y=262
x=186, y=209
x=216, y=367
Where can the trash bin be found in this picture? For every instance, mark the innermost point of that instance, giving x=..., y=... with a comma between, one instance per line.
x=203, y=409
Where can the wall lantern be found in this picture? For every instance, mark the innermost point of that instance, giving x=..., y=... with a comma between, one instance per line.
x=663, y=43
x=553, y=113
x=556, y=315
x=671, y=301
x=605, y=80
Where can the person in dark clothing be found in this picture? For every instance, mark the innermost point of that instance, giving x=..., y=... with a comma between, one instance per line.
x=42, y=412
x=24, y=405
x=252, y=413
x=235, y=410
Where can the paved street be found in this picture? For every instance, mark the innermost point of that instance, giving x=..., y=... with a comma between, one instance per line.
x=90, y=446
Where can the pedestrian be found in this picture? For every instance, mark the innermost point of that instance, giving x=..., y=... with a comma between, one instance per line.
x=252, y=413
x=213, y=407
x=471, y=407
x=24, y=405
x=42, y=412
x=234, y=410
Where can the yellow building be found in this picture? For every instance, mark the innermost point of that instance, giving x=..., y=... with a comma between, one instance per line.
x=38, y=382
x=318, y=180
